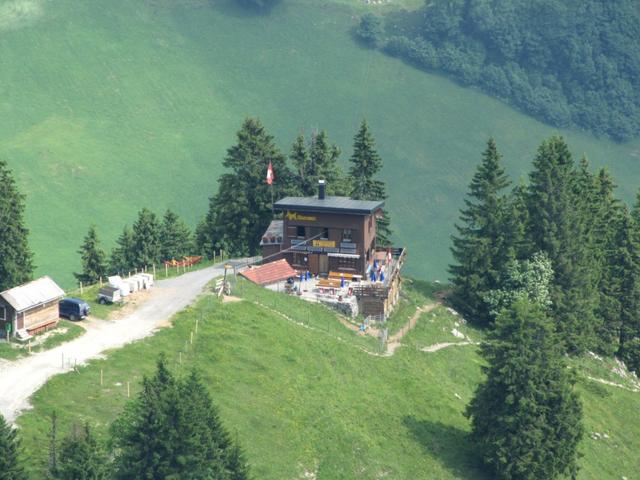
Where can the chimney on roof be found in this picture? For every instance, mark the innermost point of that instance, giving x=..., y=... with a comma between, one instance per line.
x=321, y=189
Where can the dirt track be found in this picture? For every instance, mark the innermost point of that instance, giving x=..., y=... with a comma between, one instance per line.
x=20, y=379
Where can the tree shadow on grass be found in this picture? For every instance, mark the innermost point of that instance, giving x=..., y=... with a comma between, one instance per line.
x=246, y=8
x=451, y=446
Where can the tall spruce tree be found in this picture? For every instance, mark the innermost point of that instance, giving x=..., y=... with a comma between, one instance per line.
x=122, y=256
x=303, y=175
x=481, y=248
x=323, y=165
x=365, y=165
x=241, y=210
x=605, y=217
x=82, y=457
x=175, y=237
x=626, y=266
x=16, y=264
x=93, y=259
x=557, y=226
x=526, y=417
x=145, y=436
x=10, y=466
x=146, y=239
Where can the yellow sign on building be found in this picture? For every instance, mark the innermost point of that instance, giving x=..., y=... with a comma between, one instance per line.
x=296, y=217
x=324, y=243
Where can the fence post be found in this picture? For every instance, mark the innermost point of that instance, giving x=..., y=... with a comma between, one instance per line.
x=154, y=270
x=101, y=378
x=128, y=391
x=80, y=288
x=166, y=271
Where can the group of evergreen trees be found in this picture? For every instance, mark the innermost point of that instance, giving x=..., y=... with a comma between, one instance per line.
x=171, y=430
x=551, y=267
x=241, y=210
x=150, y=242
x=572, y=217
x=564, y=62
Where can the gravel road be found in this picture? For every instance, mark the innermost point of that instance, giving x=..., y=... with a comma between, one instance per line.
x=20, y=379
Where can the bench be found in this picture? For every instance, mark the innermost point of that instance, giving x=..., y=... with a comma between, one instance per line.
x=328, y=283
x=339, y=275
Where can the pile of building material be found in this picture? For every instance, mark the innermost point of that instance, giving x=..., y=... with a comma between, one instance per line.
x=132, y=284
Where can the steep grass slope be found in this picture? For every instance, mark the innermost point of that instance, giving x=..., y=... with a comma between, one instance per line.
x=305, y=397
x=106, y=107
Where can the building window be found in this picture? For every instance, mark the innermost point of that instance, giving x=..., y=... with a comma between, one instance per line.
x=347, y=235
x=347, y=263
x=3, y=313
x=325, y=234
x=300, y=260
x=300, y=231
x=292, y=231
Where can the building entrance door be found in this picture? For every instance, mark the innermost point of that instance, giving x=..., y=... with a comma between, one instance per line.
x=323, y=266
x=313, y=264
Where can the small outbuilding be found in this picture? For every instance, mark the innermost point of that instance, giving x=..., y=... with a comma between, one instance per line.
x=269, y=273
x=30, y=308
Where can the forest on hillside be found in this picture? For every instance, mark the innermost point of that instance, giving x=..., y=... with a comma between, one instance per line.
x=564, y=62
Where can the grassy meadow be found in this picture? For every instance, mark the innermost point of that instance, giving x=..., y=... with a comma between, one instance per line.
x=305, y=395
x=106, y=107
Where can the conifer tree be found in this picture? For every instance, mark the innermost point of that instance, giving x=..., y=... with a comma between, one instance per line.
x=175, y=237
x=146, y=239
x=93, y=259
x=144, y=436
x=10, y=466
x=323, y=161
x=365, y=165
x=558, y=227
x=481, y=247
x=605, y=221
x=241, y=210
x=82, y=457
x=626, y=266
x=16, y=265
x=122, y=256
x=526, y=418
x=299, y=157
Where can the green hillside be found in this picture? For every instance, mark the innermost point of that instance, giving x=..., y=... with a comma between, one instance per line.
x=106, y=107
x=307, y=396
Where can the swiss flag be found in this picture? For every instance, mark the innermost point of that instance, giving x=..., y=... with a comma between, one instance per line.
x=270, y=176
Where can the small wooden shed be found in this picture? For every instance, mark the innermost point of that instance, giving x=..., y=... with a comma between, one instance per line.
x=32, y=307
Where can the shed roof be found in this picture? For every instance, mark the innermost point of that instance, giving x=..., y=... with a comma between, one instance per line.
x=273, y=235
x=329, y=204
x=270, y=272
x=31, y=294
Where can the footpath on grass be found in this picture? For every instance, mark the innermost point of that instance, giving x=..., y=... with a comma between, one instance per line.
x=20, y=379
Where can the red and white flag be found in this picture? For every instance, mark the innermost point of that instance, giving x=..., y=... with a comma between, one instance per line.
x=270, y=176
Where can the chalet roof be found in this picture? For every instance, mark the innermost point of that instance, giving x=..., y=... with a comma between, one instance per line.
x=273, y=235
x=32, y=294
x=329, y=205
x=269, y=273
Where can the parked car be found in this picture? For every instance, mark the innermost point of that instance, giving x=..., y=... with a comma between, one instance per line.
x=109, y=294
x=73, y=308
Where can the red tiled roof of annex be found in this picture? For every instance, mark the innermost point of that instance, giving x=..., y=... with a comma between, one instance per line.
x=269, y=273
